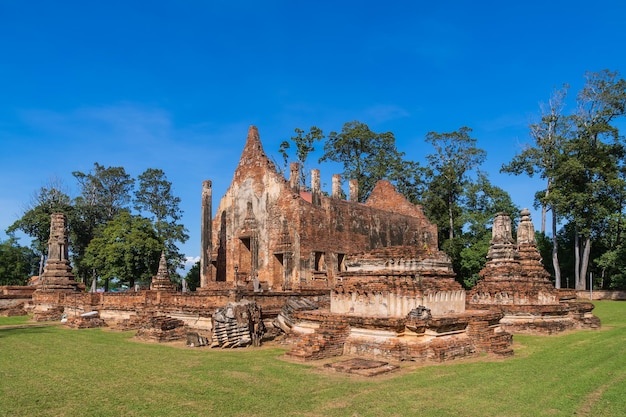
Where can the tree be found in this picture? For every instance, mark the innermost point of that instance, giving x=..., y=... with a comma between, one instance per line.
x=366, y=156
x=193, y=277
x=127, y=248
x=106, y=188
x=455, y=156
x=17, y=263
x=483, y=201
x=588, y=176
x=154, y=196
x=35, y=222
x=542, y=158
x=104, y=193
x=304, y=146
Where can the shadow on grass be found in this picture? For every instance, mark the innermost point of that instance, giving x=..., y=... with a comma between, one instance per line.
x=6, y=331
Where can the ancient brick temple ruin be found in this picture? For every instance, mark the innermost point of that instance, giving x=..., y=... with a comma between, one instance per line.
x=267, y=228
x=515, y=283
x=339, y=276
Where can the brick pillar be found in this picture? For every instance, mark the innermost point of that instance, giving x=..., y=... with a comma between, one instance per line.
x=315, y=187
x=294, y=176
x=336, y=186
x=354, y=190
x=206, y=232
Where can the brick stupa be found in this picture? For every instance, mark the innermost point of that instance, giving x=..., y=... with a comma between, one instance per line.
x=161, y=281
x=515, y=282
x=57, y=273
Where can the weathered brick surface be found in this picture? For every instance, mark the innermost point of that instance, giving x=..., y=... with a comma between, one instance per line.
x=131, y=310
x=439, y=339
x=162, y=329
x=9, y=291
x=515, y=283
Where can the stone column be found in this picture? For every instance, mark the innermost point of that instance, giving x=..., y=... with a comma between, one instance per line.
x=206, y=234
x=354, y=190
x=336, y=186
x=315, y=187
x=294, y=176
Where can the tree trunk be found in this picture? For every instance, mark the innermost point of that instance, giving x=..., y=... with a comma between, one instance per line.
x=41, y=264
x=544, y=209
x=577, y=263
x=585, y=260
x=555, y=253
x=581, y=257
x=94, y=282
x=450, y=218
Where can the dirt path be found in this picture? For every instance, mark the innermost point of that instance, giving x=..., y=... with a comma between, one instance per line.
x=591, y=399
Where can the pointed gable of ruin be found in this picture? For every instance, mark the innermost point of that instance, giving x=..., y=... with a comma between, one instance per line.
x=385, y=197
x=253, y=161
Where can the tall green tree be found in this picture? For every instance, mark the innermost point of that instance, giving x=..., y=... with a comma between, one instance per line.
x=588, y=177
x=455, y=156
x=542, y=158
x=17, y=263
x=154, y=196
x=104, y=193
x=581, y=157
x=107, y=188
x=126, y=248
x=366, y=156
x=304, y=144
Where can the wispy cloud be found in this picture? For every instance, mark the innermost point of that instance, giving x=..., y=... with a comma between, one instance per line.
x=123, y=125
x=505, y=121
x=385, y=112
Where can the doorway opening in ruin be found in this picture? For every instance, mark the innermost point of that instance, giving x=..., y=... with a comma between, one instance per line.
x=320, y=263
x=340, y=262
x=279, y=271
x=245, y=259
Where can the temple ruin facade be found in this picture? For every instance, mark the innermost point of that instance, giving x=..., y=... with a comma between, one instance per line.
x=268, y=228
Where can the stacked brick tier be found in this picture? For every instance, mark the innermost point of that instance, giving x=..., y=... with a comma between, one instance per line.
x=433, y=339
x=425, y=261
x=394, y=294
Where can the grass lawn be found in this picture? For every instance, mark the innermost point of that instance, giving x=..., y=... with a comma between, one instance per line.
x=15, y=320
x=53, y=371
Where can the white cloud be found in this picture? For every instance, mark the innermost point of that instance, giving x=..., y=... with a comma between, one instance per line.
x=190, y=261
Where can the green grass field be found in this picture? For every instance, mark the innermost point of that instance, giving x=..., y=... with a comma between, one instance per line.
x=53, y=371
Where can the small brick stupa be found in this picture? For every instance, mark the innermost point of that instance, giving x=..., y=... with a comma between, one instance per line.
x=161, y=281
x=515, y=283
x=57, y=280
x=57, y=273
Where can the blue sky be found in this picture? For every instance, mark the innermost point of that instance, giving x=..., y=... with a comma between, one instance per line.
x=175, y=85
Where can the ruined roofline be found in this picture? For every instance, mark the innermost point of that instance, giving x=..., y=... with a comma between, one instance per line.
x=384, y=196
